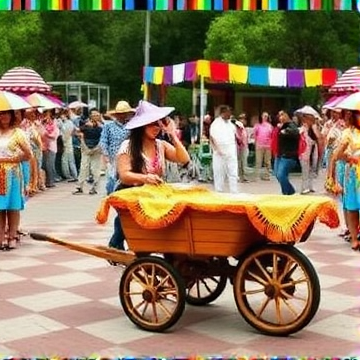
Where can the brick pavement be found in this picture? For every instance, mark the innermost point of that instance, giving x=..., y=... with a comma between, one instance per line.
x=57, y=302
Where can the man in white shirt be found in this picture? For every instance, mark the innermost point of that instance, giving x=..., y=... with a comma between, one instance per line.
x=223, y=143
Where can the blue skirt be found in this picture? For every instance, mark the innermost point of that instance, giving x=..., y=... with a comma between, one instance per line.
x=351, y=195
x=13, y=198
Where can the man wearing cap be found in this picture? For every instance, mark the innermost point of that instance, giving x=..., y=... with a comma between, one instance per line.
x=112, y=136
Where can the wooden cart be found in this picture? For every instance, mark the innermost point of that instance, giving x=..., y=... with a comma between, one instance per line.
x=191, y=258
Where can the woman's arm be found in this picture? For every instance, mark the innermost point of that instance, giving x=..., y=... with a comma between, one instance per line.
x=176, y=151
x=338, y=154
x=131, y=178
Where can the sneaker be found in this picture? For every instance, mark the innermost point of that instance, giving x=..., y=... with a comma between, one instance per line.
x=72, y=180
x=306, y=191
x=92, y=192
x=78, y=191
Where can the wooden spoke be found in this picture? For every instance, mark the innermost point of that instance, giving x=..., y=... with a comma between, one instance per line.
x=289, y=296
x=258, y=279
x=275, y=267
x=278, y=310
x=164, y=309
x=153, y=275
x=131, y=293
x=252, y=292
x=163, y=281
x=206, y=285
x=292, y=310
x=145, y=308
x=139, y=280
x=294, y=282
x=266, y=274
x=139, y=304
x=143, y=271
x=155, y=312
x=263, y=307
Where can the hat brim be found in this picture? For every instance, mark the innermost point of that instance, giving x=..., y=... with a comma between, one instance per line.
x=127, y=111
x=307, y=111
x=147, y=118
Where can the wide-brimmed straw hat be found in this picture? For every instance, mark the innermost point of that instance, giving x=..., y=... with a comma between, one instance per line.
x=307, y=110
x=122, y=107
x=147, y=113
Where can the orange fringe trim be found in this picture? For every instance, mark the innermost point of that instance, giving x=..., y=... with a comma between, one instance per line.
x=3, y=180
x=279, y=218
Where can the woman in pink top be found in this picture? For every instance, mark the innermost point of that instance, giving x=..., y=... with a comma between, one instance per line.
x=49, y=137
x=262, y=135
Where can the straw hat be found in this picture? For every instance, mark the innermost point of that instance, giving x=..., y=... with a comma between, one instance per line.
x=122, y=107
x=147, y=113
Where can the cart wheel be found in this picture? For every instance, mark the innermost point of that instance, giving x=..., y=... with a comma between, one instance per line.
x=152, y=294
x=204, y=290
x=276, y=289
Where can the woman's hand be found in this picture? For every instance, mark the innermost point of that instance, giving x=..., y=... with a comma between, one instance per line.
x=168, y=125
x=153, y=179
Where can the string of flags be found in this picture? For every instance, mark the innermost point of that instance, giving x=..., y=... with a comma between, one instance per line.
x=215, y=71
x=220, y=5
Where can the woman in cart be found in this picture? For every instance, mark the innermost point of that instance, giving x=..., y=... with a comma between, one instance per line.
x=141, y=158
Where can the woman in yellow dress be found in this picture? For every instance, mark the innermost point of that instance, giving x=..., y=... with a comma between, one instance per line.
x=14, y=151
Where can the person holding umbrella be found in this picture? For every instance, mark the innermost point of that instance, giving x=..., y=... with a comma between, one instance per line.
x=14, y=151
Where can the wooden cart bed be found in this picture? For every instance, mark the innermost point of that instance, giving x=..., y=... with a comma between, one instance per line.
x=197, y=221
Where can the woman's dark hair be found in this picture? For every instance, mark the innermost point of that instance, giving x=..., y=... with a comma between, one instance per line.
x=353, y=120
x=136, y=150
x=13, y=118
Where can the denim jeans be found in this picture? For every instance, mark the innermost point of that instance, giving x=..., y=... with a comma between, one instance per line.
x=49, y=166
x=282, y=169
x=118, y=237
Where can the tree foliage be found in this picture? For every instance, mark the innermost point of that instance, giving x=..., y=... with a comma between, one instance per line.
x=108, y=47
x=286, y=39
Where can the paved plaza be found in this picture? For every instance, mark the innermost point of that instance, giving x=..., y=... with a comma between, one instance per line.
x=54, y=301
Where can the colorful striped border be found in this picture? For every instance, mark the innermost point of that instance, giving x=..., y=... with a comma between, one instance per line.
x=194, y=357
x=96, y=5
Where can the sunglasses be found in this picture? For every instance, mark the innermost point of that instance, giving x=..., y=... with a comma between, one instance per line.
x=159, y=123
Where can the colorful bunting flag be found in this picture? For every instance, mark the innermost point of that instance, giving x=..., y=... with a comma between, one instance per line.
x=181, y=5
x=129, y=5
x=258, y=75
x=313, y=77
x=328, y=5
x=238, y=74
x=269, y=4
x=75, y=5
x=203, y=68
x=158, y=75
x=315, y=4
x=344, y=5
x=5, y=5
x=295, y=78
x=117, y=4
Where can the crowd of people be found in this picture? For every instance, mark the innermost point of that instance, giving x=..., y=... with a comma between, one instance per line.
x=143, y=145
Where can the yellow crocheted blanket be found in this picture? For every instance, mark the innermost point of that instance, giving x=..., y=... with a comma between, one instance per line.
x=278, y=217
